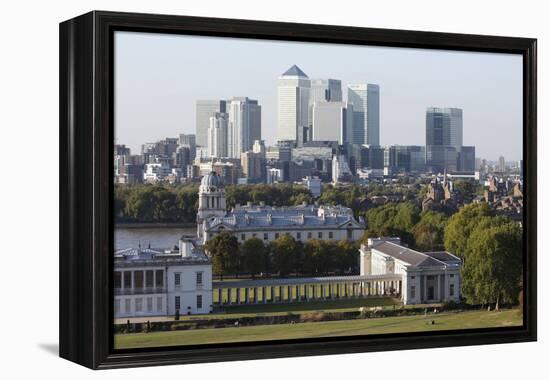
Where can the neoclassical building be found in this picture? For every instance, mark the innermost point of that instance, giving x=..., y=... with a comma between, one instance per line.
x=426, y=277
x=159, y=282
x=267, y=223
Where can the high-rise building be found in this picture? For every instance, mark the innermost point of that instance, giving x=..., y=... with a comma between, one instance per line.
x=444, y=127
x=329, y=121
x=501, y=164
x=405, y=158
x=217, y=135
x=244, y=127
x=293, y=92
x=205, y=109
x=253, y=166
x=365, y=122
x=326, y=90
x=443, y=138
x=467, y=159
x=190, y=141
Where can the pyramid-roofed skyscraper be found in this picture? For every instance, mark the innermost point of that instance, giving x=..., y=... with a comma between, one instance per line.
x=293, y=91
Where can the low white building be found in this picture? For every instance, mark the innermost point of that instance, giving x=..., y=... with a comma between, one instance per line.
x=267, y=223
x=427, y=277
x=155, y=282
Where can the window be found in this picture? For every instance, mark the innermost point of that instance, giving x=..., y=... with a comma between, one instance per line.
x=413, y=291
x=451, y=275
x=298, y=235
x=159, y=278
x=127, y=280
x=266, y=236
x=139, y=305
x=118, y=280
x=159, y=304
x=117, y=306
x=149, y=279
x=199, y=301
x=177, y=279
x=320, y=235
x=412, y=277
x=309, y=235
x=253, y=235
x=127, y=306
x=243, y=237
x=330, y=235
x=138, y=279
x=149, y=304
x=199, y=278
x=452, y=290
x=177, y=302
x=276, y=235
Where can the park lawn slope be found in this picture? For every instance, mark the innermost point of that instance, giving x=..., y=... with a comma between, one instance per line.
x=387, y=325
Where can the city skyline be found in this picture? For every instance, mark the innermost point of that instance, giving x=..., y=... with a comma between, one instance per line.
x=155, y=97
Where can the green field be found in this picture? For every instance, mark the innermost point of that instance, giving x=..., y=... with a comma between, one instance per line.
x=443, y=321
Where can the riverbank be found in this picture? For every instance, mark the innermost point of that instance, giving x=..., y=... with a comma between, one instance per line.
x=155, y=225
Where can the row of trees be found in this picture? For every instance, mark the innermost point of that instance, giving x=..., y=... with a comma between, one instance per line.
x=155, y=203
x=284, y=256
x=179, y=203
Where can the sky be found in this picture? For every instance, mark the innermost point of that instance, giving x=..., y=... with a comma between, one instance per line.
x=158, y=78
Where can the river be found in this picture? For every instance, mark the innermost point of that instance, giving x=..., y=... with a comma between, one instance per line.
x=157, y=237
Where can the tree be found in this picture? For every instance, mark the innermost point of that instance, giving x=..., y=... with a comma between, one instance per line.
x=253, y=254
x=468, y=189
x=493, y=266
x=284, y=251
x=461, y=225
x=347, y=256
x=224, y=253
x=429, y=232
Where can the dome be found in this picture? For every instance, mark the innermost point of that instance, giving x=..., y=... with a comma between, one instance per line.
x=211, y=180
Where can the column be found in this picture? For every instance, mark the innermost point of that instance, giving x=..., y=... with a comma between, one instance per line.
x=323, y=295
x=298, y=295
x=238, y=291
x=229, y=300
x=272, y=294
x=264, y=297
x=246, y=295
x=289, y=291
x=314, y=291
x=306, y=291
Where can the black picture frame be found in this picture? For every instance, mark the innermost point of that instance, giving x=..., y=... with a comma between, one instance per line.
x=86, y=187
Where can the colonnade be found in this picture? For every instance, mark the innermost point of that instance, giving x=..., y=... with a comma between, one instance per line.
x=246, y=292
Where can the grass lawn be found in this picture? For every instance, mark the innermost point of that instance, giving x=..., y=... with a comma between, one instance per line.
x=443, y=321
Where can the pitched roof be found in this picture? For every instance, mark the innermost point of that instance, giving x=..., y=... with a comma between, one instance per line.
x=295, y=71
x=415, y=258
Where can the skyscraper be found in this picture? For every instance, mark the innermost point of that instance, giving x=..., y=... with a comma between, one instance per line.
x=329, y=121
x=244, y=127
x=443, y=138
x=217, y=135
x=365, y=123
x=293, y=92
x=204, y=110
x=326, y=90
x=444, y=127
